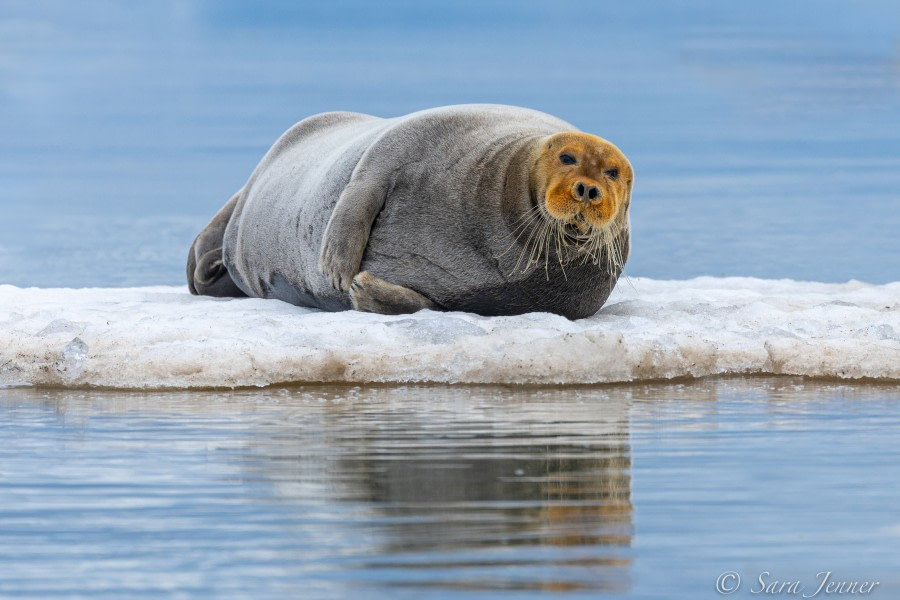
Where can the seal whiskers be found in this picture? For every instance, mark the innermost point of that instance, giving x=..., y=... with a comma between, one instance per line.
x=600, y=246
x=535, y=246
x=604, y=246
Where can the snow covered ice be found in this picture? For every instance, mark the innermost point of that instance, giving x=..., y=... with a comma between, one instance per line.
x=162, y=337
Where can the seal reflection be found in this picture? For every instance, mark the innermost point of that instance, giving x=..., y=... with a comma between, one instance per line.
x=480, y=490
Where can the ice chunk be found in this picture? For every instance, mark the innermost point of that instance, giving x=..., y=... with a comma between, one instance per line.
x=164, y=337
x=62, y=326
x=71, y=360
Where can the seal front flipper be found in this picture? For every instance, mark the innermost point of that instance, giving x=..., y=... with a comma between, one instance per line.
x=206, y=273
x=371, y=294
x=347, y=233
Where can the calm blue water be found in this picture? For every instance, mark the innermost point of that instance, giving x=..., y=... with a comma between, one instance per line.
x=765, y=135
x=640, y=491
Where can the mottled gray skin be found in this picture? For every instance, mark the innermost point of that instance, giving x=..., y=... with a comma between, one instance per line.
x=412, y=212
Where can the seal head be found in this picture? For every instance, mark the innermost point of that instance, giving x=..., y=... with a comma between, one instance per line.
x=581, y=185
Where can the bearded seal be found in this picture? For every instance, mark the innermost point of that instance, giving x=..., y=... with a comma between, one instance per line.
x=491, y=209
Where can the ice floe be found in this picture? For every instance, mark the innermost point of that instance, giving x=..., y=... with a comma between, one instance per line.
x=162, y=337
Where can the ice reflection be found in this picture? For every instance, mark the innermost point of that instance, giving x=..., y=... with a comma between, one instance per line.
x=476, y=490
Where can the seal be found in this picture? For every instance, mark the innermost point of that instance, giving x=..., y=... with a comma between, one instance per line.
x=491, y=209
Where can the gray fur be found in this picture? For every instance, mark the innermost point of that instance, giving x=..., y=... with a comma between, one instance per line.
x=427, y=202
x=206, y=272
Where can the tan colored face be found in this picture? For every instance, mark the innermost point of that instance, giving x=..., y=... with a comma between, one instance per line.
x=586, y=181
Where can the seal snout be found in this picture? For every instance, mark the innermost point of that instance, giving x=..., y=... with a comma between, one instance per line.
x=585, y=192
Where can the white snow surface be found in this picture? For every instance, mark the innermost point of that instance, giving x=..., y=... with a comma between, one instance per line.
x=162, y=337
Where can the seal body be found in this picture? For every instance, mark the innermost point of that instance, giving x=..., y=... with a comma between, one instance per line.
x=453, y=208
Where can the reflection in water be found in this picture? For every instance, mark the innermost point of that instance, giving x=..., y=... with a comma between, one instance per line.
x=453, y=485
x=435, y=492
x=319, y=489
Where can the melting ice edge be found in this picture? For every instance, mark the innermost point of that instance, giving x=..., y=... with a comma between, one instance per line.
x=162, y=337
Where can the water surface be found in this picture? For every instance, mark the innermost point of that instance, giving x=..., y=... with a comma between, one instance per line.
x=765, y=137
x=643, y=491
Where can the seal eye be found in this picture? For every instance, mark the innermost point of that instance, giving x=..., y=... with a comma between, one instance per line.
x=567, y=159
x=612, y=173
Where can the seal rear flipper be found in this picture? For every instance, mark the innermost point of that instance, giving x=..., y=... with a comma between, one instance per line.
x=211, y=278
x=206, y=273
x=371, y=294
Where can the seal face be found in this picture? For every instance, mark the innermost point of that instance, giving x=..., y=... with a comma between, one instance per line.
x=586, y=179
x=483, y=208
x=584, y=183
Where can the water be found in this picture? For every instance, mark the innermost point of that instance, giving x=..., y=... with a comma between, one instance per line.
x=645, y=491
x=765, y=137
x=766, y=142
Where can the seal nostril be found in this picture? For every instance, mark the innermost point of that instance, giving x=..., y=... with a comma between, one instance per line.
x=593, y=193
x=580, y=189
